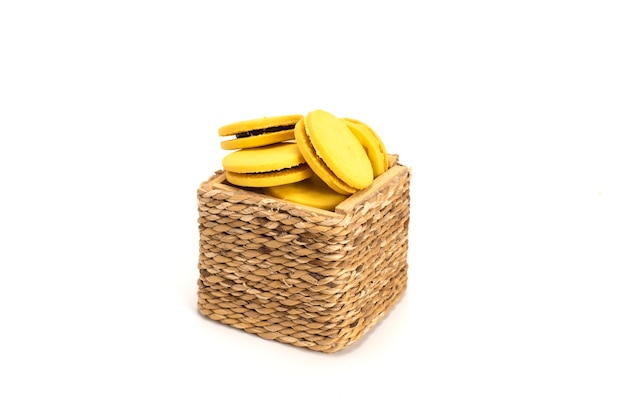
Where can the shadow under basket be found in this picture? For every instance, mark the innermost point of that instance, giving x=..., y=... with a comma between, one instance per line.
x=300, y=275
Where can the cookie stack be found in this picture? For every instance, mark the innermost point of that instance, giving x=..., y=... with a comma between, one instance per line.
x=317, y=159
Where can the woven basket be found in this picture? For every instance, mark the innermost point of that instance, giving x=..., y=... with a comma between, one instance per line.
x=300, y=275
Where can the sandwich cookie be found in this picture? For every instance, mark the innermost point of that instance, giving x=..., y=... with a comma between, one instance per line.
x=258, y=132
x=373, y=146
x=333, y=152
x=275, y=164
x=311, y=192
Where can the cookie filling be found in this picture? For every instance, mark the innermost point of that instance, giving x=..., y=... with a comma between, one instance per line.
x=302, y=166
x=271, y=129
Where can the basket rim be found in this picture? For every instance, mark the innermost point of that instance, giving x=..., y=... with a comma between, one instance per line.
x=218, y=182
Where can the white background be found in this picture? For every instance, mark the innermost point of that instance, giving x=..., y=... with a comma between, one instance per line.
x=511, y=114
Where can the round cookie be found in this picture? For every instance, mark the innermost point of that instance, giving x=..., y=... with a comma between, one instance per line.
x=374, y=147
x=262, y=180
x=316, y=163
x=340, y=157
x=275, y=164
x=258, y=132
x=311, y=192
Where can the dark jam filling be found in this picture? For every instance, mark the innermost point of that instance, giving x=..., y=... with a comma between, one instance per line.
x=271, y=129
x=299, y=166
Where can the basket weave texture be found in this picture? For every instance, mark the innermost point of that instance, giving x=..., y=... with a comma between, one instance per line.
x=300, y=275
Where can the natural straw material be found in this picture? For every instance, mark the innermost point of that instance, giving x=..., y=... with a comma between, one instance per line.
x=300, y=275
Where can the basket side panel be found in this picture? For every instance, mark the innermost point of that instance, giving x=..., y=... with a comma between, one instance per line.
x=379, y=253
x=269, y=269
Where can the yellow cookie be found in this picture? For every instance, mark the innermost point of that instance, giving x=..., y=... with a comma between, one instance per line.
x=294, y=174
x=275, y=164
x=374, y=147
x=316, y=163
x=258, y=132
x=311, y=192
x=338, y=157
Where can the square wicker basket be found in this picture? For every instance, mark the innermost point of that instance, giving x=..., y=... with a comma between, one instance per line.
x=300, y=275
